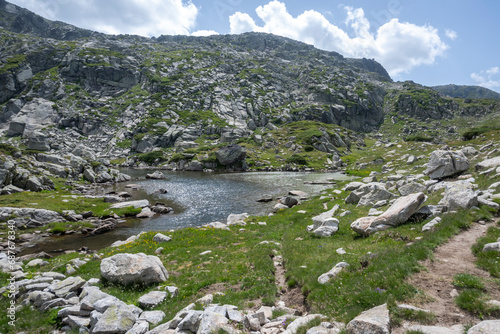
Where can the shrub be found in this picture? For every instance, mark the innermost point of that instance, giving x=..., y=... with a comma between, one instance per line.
x=179, y=156
x=474, y=132
x=151, y=157
x=129, y=211
x=419, y=138
x=308, y=148
x=57, y=228
x=7, y=149
x=297, y=159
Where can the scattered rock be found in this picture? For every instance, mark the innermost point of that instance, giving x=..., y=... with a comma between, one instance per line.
x=289, y=201
x=230, y=155
x=493, y=246
x=328, y=276
x=159, y=237
x=488, y=163
x=152, y=299
x=431, y=224
x=116, y=319
x=375, y=320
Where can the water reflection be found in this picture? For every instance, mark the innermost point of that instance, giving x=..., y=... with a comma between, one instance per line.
x=198, y=198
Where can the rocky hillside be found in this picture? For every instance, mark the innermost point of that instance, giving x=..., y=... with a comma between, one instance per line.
x=467, y=92
x=63, y=88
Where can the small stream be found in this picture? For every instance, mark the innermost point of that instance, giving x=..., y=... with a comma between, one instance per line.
x=197, y=198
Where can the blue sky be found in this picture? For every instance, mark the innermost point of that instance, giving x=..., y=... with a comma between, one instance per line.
x=430, y=42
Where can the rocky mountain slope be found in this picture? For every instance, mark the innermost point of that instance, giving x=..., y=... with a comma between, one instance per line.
x=467, y=92
x=177, y=99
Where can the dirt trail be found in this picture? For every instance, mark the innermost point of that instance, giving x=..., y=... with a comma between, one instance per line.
x=452, y=258
x=292, y=297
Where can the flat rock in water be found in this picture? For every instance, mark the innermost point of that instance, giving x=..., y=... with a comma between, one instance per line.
x=156, y=176
x=298, y=193
x=145, y=213
x=265, y=199
x=136, y=204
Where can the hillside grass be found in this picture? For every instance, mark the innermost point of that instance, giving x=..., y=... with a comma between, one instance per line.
x=241, y=266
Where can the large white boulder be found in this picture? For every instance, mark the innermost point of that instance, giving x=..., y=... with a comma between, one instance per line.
x=397, y=214
x=459, y=195
x=127, y=269
x=446, y=163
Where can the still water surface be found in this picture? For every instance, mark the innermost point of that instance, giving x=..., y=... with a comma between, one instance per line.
x=197, y=198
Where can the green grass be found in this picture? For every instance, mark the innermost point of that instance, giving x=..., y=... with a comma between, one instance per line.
x=467, y=281
x=489, y=261
x=7, y=149
x=12, y=62
x=398, y=315
x=472, y=296
x=241, y=267
x=473, y=300
x=62, y=200
x=297, y=159
x=418, y=138
x=151, y=157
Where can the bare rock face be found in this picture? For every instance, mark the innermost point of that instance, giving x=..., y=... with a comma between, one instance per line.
x=446, y=163
x=375, y=321
x=230, y=155
x=397, y=214
x=129, y=269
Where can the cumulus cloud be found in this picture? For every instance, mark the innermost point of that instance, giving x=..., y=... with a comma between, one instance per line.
x=451, y=34
x=398, y=46
x=138, y=17
x=489, y=78
x=204, y=33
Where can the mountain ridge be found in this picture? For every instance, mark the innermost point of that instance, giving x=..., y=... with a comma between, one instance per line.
x=467, y=91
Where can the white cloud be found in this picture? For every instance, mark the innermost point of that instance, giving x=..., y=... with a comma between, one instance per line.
x=488, y=78
x=398, y=46
x=138, y=17
x=451, y=34
x=204, y=33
